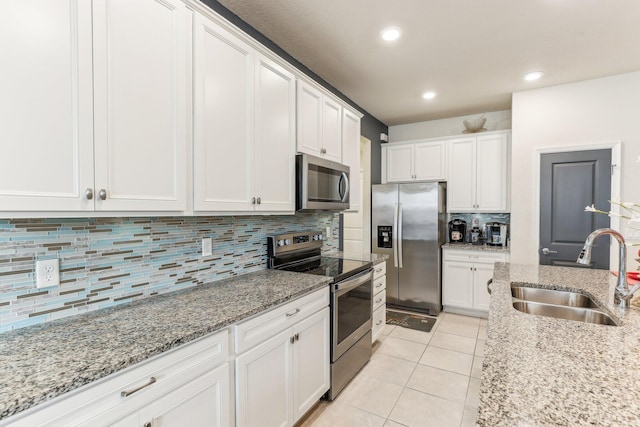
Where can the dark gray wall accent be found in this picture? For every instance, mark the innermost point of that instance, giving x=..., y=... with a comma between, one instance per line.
x=370, y=126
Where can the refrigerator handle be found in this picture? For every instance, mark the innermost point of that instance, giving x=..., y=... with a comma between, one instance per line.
x=399, y=234
x=394, y=238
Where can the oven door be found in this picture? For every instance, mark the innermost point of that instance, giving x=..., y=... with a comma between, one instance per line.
x=351, y=302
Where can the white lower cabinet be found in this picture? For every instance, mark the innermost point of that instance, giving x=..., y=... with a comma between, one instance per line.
x=281, y=378
x=379, y=317
x=190, y=385
x=465, y=274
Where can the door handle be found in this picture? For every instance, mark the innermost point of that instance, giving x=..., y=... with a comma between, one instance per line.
x=394, y=241
x=343, y=178
x=400, y=237
x=546, y=251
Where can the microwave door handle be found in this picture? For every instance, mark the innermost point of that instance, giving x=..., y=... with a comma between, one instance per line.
x=400, y=232
x=394, y=239
x=344, y=178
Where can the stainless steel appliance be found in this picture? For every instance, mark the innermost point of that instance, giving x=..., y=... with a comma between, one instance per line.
x=351, y=299
x=321, y=184
x=457, y=230
x=496, y=233
x=409, y=225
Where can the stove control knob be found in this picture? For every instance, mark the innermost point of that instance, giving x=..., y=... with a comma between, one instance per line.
x=287, y=242
x=319, y=236
x=280, y=242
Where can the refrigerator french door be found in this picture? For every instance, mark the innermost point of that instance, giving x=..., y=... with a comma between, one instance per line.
x=408, y=225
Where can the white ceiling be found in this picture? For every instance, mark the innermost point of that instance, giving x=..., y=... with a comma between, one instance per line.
x=473, y=53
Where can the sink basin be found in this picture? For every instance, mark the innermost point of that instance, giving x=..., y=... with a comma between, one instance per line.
x=580, y=314
x=551, y=296
x=559, y=304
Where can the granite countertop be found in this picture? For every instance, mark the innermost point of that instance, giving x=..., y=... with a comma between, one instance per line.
x=40, y=362
x=542, y=371
x=470, y=247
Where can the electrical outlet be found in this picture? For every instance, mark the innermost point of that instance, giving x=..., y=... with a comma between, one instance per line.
x=207, y=249
x=328, y=231
x=48, y=273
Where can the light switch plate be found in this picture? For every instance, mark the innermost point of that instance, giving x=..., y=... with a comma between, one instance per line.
x=48, y=273
x=207, y=249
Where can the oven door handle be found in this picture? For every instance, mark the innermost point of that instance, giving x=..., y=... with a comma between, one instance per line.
x=353, y=282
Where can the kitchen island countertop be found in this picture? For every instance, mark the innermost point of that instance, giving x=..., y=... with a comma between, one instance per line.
x=38, y=363
x=542, y=371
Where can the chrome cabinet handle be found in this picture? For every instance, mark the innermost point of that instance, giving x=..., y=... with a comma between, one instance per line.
x=292, y=339
x=489, y=282
x=129, y=393
x=88, y=193
x=378, y=322
x=379, y=300
x=102, y=194
x=379, y=284
x=258, y=201
x=147, y=424
x=378, y=270
x=293, y=313
x=297, y=336
x=253, y=200
x=546, y=251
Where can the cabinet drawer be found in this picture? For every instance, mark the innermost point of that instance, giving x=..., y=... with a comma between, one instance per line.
x=379, y=284
x=264, y=326
x=102, y=399
x=379, y=321
x=379, y=270
x=379, y=299
x=474, y=256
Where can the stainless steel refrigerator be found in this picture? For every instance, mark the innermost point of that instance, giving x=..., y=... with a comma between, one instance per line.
x=409, y=224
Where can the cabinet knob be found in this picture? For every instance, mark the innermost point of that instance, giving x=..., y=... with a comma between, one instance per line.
x=253, y=200
x=297, y=336
x=102, y=194
x=292, y=339
x=147, y=424
x=258, y=201
x=88, y=193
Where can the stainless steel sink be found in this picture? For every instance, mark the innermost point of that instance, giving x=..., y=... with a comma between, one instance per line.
x=559, y=304
x=551, y=296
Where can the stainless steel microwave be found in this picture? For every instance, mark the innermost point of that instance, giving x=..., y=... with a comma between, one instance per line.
x=321, y=184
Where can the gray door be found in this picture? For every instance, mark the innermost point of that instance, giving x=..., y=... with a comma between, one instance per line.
x=569, y=182
x=419, y=281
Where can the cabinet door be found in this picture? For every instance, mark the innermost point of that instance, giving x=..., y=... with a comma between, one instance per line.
x=310, y=362
x=351, y=156
x=140, y=90
x=400, y=163
x=46, y=116
x=263, y=384
x=202, y=402
x=461, y=185
x=309, y=119
x=274, y=137
x=491, y=173
x=482, y=273
x=457, y=284
x=223, y=94
x=429, y=161
x=331, y=130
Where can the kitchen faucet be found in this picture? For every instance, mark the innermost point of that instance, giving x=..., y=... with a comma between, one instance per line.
x=622, y=295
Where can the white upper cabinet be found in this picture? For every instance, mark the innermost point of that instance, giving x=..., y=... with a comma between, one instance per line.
x=478, y=174
x=111, y=136
x=415, y=161
x=140, y=88
x=46, y=117
x=319, y=123
x=244, y=117
x=351, y=155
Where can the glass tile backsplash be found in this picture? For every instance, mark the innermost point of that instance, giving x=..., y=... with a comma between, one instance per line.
x=110, y=261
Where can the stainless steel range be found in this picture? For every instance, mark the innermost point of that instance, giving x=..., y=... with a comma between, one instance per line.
x=351, y=299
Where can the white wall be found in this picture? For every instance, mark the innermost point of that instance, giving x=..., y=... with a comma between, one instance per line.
x=588, y=112
x=496, y=120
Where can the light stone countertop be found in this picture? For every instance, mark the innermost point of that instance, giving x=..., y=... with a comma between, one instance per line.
x=470, y=247
x=41, y=362
x=542, y=371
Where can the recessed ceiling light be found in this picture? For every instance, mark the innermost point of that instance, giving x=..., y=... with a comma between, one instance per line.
x=535, y=75
x=391, y=33
x=429, y=95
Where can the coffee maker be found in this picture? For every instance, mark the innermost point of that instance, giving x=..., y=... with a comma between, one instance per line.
x=457, y=230
x=497, y=233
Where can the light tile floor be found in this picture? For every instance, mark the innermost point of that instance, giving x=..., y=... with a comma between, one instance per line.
x=414, y=378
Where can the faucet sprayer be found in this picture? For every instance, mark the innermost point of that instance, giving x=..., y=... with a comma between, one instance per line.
x=622, y=295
